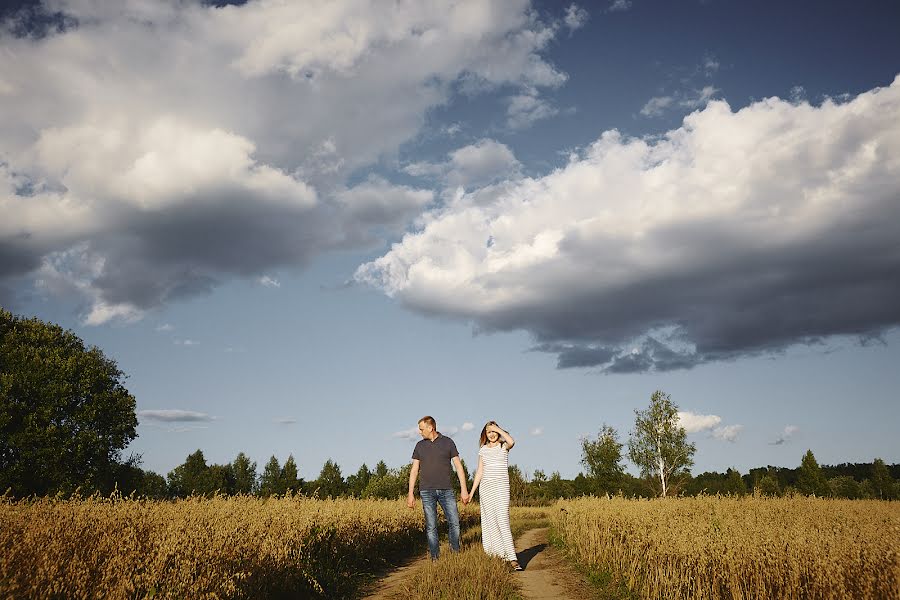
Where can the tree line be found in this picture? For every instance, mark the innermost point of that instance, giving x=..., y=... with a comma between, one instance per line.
x=66, y=417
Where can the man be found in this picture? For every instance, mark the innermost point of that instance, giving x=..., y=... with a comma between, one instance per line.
x=431, y=456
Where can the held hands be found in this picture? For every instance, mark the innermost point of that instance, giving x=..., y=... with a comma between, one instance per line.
x=465, y=497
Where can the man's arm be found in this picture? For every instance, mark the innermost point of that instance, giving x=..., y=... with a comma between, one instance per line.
x=462, y=478
x=413, y=475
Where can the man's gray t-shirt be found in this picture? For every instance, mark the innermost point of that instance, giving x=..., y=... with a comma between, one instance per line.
x=434, y=462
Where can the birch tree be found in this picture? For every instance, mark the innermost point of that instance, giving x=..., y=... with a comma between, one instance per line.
x=658, y=444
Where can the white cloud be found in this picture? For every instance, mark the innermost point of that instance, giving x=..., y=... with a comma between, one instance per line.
x=699, y=97
x=656, y=106
x=575, y=17
x=268, y=281
x=526, y=109
x=477, y=164
x=186, y=342
x=412, y=434
x=786, y=434
x=693, y=423
x=467, y=426
x=620, y=6
x=537, y=431
x=256, y=116
x=728, y=433
x=165, y=327
x=174, y=415
x=735, y=234
x=286, y=420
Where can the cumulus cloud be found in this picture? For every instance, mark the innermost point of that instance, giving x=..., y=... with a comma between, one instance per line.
x=267, y=281
x=658, y=105
x=219, y=141
x=411, y=434
x=174, y=416
x=738, y=233
x=728, y=433
x=575, y=17
x=165, y=327
x=619, y=6
x=526, y=109
x=479, y=164
x=692, y=423
x=537, y=431
x=467, y=426
x=786, y=434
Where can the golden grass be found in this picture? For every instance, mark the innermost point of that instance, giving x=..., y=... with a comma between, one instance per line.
x=239, y=547
x=736, y=548
x=469, y=574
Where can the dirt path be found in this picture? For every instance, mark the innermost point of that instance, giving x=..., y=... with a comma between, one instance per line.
x=547, y=576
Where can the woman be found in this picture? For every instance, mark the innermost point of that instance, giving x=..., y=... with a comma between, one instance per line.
x=493, y=476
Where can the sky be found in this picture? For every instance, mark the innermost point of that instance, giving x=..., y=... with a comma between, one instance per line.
x=298, y=227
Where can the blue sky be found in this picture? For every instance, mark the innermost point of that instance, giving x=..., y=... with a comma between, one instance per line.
x=298, y=228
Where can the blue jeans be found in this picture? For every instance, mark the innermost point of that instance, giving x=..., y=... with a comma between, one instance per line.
x=447, y=500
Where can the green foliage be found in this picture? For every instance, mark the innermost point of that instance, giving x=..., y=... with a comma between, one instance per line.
x=767, y=485
x=244, y=475
x=356, y=483
x=734, y=483
x=270, y=481
x=602, y=458
x=844, y=486
x=194, y=476
x=65, y=414
x=811, y=481
x=882, y=482
x=658, y=444
x=289, y=480
x=330, y=483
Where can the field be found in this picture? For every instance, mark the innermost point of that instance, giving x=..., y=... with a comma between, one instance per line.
x=246, y=547
x=236, y=547
x=711, y=548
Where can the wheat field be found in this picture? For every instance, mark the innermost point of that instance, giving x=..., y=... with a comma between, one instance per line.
x=737, y=548
x=237, y=547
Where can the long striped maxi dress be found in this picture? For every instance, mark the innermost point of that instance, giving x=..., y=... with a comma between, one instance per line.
x=496, y=536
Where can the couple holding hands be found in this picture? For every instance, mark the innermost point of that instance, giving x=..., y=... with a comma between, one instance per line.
x=429, y=464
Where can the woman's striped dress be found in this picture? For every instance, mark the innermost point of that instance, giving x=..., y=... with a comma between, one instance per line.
x=494, y=500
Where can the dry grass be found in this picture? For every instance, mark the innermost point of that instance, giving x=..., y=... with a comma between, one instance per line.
x=712, y=548
x=240, y=547
x=469, y=574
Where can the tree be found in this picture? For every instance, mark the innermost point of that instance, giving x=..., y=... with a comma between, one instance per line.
x=767, y=485
x=658, y=444
x=810, y=480
x=187, y=477
x=270, y=482
x=518, y=487
x=882, y=482
x=65, y=415
x=381, y=469
x=602, y=458
x=289, y=480
x=734, y=483
x=330, y=483
x=844, y=486
x=244, y=474
x=357, y=483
